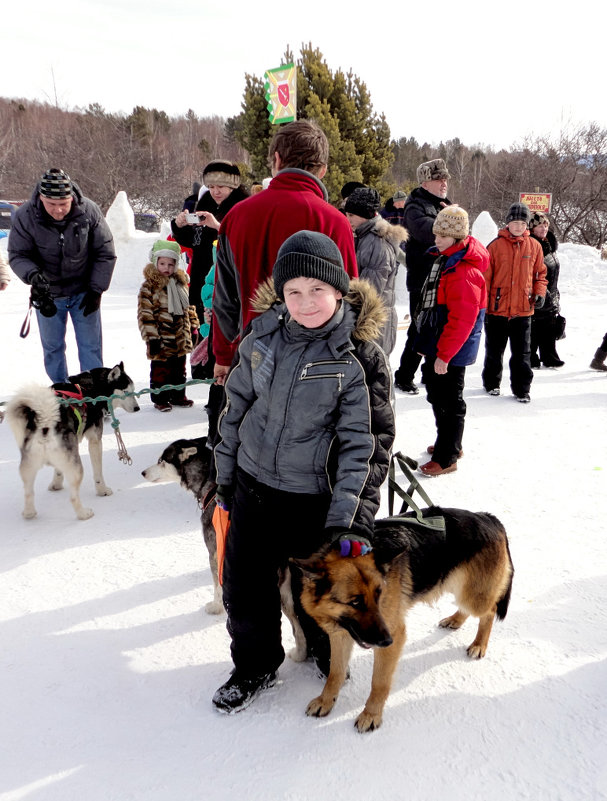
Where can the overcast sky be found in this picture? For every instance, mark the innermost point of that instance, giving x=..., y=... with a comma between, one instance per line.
x=488, y=73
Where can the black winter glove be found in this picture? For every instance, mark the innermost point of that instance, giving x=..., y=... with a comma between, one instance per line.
x=155, y=346
x=224, y=496
x=90, y=302
x=39, y=282
x=350, y=541
x=40, y=296
x=538, y=301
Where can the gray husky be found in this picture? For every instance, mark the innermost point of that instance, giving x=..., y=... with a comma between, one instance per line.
x=49, y=432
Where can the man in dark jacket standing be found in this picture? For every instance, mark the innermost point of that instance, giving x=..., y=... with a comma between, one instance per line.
x=421, y=209
x=253, y=231
x=62, y=246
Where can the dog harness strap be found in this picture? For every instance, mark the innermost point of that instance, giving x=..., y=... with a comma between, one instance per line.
x=78, y=411
x=393, y=486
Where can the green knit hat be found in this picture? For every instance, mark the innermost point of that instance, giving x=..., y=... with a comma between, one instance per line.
x=310, y=254
x=163, y=248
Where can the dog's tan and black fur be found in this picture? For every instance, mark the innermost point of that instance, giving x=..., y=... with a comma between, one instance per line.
x=366, y=599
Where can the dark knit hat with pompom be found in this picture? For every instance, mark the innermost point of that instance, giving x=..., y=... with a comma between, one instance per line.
x=310, y=254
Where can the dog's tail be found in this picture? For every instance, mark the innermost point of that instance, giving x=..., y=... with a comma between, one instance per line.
x=33, y=408
x=504, y=601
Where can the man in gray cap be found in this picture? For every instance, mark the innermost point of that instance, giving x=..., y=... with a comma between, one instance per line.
x=421, y=209
x=62, y=246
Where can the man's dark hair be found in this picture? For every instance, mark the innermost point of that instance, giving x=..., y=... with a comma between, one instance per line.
x=301, y=144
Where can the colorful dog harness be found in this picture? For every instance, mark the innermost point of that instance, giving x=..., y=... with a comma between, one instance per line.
x=79, y=410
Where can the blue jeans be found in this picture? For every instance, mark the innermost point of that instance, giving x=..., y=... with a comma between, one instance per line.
x=52, y=335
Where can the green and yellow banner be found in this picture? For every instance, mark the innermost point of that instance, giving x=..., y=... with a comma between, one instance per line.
x=281, y=93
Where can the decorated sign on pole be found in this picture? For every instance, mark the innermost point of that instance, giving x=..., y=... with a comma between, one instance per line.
x=281, y=93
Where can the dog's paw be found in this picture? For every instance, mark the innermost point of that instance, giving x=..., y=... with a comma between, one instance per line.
x=84, y=513
x=476, y=651
x=102, y=489
x=367, y=722
x=319, y=708
x=213, y=608
x=454, y=621
x=29, y=514
x=55, y=485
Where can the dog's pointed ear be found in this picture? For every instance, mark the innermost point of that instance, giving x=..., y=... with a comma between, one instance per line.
x=312, y=568
x=114, y=372
x=187, y=453
x=388, y=543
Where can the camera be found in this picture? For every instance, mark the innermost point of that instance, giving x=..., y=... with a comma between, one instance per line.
x=192, y=219
x=41, y=299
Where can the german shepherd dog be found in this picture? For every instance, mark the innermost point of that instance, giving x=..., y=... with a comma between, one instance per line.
x=365, y=600
x=187, y=462
x=49, y=432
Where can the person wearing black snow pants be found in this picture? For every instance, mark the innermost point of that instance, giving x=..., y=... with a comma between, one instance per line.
x=289, y=525
x=304, y=446
x=498, y=332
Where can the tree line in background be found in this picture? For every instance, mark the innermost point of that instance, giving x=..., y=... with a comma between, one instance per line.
x=156, y=158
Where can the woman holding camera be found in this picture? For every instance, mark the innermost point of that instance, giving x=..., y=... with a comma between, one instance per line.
x=223, y=191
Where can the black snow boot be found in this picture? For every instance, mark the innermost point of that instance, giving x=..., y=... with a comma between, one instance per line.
x=598, y=361
x=239, y=691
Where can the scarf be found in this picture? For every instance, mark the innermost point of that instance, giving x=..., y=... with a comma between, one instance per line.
x=177, y=297
x=429, y=292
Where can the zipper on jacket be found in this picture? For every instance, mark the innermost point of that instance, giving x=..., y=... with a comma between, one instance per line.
x=497, y=299
x=305, y=377
x=321, y=363
x=338, y=376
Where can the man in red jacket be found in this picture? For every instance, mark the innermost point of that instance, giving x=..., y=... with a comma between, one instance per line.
x=252, y=232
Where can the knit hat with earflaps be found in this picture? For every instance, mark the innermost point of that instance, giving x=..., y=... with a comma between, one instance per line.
x=310, y=254
x=221, y=173
x=55, y=184
x=452, y=221
x=518, y=211
x=164, y=248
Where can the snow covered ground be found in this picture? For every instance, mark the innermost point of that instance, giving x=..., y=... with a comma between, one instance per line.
x=108, y=660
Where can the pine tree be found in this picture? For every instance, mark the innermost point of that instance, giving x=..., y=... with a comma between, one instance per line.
x=359, y=139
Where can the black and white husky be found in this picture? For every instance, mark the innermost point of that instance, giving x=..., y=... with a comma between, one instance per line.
x=48, y=432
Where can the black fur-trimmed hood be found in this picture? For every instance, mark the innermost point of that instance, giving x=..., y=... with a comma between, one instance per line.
x=370, y=312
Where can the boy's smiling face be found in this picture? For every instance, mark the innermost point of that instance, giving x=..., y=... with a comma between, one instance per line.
x=310, y=302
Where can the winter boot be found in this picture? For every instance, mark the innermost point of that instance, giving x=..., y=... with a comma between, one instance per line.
x=239, y=691
x=598, y=361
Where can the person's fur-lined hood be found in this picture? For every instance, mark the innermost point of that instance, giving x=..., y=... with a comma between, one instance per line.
x=394, y=234
x=371, y=314
x=151, y=274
